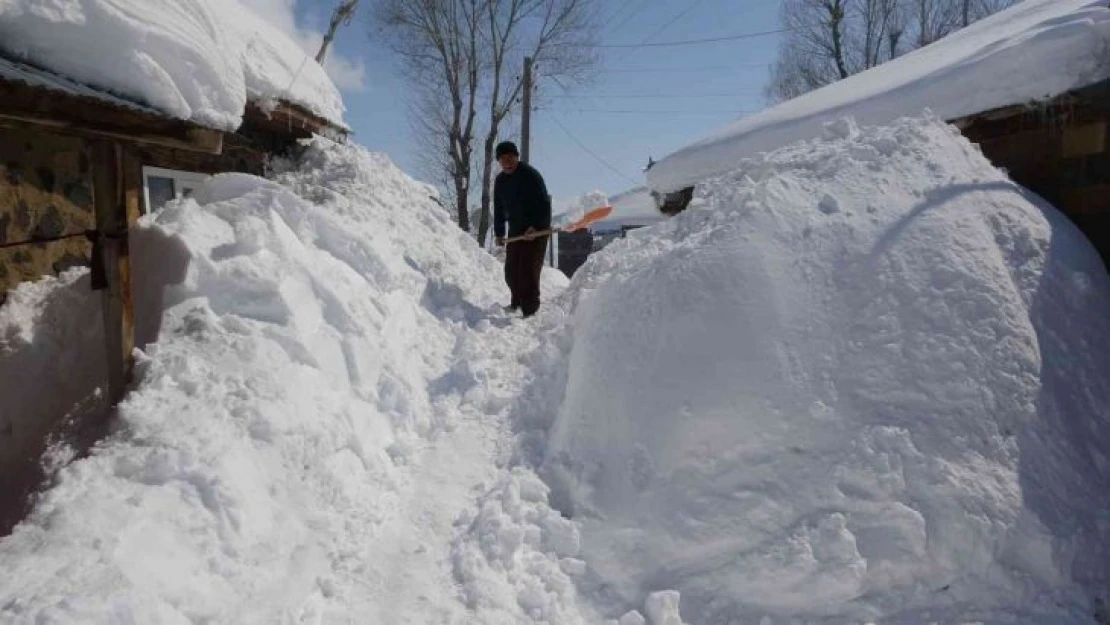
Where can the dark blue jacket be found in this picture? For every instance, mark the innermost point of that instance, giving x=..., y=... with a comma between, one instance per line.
x=521, y=199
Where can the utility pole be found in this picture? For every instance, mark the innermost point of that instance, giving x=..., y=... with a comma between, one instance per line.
x=342, y=15
x=526, y=138
x=526, y=111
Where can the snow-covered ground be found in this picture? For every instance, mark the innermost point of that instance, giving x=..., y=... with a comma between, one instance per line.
x=200, y=60
x=861, y=379
x=1032, y=51
x=327, y=392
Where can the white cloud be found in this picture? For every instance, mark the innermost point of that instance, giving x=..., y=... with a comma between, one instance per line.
x=349, y=74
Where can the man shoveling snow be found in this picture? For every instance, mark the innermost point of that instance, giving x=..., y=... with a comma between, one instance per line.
x=520, y=198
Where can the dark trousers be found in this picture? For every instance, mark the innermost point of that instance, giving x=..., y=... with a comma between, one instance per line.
x=523, y=265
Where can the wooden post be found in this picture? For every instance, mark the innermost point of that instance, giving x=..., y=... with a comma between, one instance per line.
x=117, y=182
x=526, y=111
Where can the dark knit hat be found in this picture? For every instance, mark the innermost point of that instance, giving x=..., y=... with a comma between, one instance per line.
x=506, y=147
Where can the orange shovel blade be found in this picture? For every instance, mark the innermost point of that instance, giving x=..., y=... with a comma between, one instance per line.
x=591, y=216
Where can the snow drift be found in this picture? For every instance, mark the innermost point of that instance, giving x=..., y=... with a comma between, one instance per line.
x=199, y=60
x=306, y=352
x=862, y=378
x=1035, y=50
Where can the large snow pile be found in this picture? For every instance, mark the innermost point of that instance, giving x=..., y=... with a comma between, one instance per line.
x=322, y=400
x=864, y=379
x=200, y=60
x=1034, y=50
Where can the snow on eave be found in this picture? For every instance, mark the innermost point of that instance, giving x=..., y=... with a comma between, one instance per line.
x=1034, y=51
x=200, y=61
x=15, y=71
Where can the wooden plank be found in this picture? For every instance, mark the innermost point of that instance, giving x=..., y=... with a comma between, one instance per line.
x=1084, y=140
x=288, y=119
x=239, y=154
x=116, y=189
x=132, y=170
x=192, y=139
x=1028, y=152
x=1089, y=200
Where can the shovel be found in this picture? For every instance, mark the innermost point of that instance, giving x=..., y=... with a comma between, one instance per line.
x=591, y=216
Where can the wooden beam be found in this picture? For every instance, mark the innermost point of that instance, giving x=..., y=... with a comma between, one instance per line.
x=1089, y=200
x=1084, y=140
x=192, y=139
x=290, y=119
x=117, y=180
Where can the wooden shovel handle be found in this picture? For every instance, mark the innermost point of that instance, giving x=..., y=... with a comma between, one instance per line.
x=535, y=235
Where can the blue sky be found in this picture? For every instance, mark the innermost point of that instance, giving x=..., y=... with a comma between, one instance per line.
x=705, y=86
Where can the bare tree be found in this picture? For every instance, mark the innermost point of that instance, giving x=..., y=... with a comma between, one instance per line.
x=935, y=19
x=879, y=30
x=440, y=44
x=341, y=16
x=829, y=40
x=461, y=56
x=429, y=115
x=815, y=53
x=557, y=34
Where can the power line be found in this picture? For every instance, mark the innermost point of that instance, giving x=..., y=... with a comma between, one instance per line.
x=652, y=96
x=592, y=153
x=656, y=111
x=688, y=42
x=660, y=70
x=667, y=24
x=680, y=15
x=625, y=20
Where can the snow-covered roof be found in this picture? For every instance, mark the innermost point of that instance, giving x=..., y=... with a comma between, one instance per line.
x=197, y=60
x=1035, y=50
x=13, y=71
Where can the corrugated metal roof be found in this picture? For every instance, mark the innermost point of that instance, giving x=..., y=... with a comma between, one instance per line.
x=21, y=72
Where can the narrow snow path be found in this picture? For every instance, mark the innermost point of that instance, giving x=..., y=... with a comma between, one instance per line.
x=405, y=572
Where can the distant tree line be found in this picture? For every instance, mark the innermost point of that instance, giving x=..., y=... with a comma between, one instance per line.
x=829, y=40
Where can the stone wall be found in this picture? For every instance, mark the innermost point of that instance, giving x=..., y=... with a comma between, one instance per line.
x=45, y=193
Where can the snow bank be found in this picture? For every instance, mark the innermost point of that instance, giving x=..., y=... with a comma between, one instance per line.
x=1035, y=50
x=200, y=60
x=52, y=354
x=553, y=282
x=52, y=363
x=308, y=349
x=863, y=379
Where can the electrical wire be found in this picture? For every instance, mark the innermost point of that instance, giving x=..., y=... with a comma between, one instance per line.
x=652, y=96
x=691, y=42
x=624, y=20
x=661, y=70
x=587, y=150
x=654, y=111
x=681, y=14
